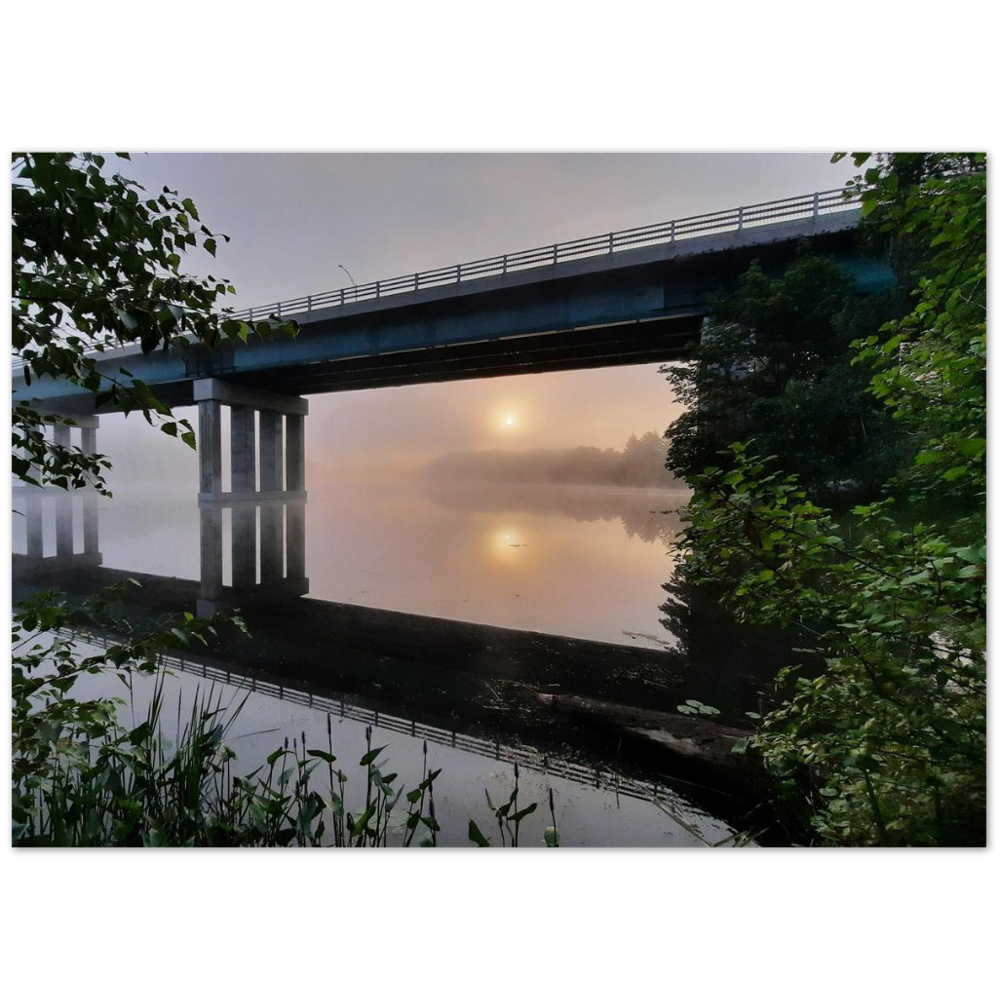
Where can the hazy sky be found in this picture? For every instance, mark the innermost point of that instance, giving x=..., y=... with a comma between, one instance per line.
x=293, y=218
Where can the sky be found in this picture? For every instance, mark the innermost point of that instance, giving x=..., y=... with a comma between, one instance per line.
x=294, y=217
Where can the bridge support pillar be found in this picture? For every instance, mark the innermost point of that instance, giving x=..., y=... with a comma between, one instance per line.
x=272, y=479
x=243, y=441
x=34, y=499
x=34, y=525
x=266, y=499
x=64, y=502
x=91, y=538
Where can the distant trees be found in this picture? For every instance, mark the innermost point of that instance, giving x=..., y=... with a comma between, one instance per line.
x=639, y=463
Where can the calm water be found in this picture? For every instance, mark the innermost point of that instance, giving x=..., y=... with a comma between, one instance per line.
x=581, y=562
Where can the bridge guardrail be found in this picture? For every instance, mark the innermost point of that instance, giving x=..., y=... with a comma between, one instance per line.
x=730, y=220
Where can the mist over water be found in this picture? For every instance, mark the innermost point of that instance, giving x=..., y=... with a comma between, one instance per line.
x=502, y=501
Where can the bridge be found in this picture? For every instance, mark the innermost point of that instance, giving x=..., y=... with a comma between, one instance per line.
x=620, y=298
x=629, y=297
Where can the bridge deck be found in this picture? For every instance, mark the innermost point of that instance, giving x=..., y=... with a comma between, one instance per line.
x=626, y=305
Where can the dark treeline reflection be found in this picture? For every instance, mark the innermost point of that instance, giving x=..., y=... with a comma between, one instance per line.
x=727, y=663
x=639, y=463
x=648, y=514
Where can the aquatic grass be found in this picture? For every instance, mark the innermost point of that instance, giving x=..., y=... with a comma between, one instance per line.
x=509, y=819
x=83, y=777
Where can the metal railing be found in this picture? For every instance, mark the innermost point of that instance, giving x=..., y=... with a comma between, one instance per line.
x=731, y=220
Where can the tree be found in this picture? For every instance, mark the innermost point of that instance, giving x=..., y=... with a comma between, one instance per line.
x=774, y=364
x=97, y=266
x=887, y=743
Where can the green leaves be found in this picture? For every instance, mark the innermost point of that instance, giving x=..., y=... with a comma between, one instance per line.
x=93, y=254
x=361, y=823
x=371, y=755
x=887, y=744
x=694, y=707
x=476, y=836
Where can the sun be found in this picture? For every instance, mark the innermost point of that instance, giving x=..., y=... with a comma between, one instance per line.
x=510, y=420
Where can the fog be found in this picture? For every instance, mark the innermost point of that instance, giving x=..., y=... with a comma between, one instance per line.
x=377, y=435
x=293, y=218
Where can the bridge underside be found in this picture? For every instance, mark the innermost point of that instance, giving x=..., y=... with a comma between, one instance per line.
x=631, y=307
x=650, y=341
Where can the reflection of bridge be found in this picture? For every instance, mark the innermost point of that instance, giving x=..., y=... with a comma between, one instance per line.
x=338, y=706
x=68, y=548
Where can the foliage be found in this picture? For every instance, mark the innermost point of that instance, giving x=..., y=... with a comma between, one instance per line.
x=97, y=267
x=83, y=778
x=887, y=744
x=509, y=818
x=774, y=363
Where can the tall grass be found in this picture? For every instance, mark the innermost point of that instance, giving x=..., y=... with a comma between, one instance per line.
x=83, y=778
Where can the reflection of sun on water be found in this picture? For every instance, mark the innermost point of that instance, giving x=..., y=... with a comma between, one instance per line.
x=508, y=547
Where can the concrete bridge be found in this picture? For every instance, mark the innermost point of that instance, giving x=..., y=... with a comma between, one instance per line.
x=630, y=297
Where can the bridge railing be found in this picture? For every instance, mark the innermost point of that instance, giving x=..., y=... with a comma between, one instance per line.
x=731, y=220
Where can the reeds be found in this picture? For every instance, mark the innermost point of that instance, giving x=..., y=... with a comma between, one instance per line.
x=81, y=777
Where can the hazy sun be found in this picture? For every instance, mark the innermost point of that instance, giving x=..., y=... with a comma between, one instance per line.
x=510, y=420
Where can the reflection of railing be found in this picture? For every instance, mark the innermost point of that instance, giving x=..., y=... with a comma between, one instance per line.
x=339, y=707
x=731, y=220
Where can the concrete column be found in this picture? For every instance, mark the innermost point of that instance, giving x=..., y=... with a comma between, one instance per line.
x=295, y=539
x=211, y=559
x=64, y=503
x=295, y=452
x=271, y=450
x=244, y=451
x=91, y=544
x=33, y=523
x=282, y=469
x=271, y=521
x=210, y=446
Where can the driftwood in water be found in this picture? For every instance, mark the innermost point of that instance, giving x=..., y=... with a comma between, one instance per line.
x=690, y=736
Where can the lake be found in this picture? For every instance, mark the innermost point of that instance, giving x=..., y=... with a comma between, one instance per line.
x=584, y=563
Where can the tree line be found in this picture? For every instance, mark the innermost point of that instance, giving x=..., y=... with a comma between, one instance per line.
x=641, y=462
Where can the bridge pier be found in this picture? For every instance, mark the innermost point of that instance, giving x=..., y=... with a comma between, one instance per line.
x=266, y=500
x=35, y=499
